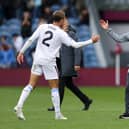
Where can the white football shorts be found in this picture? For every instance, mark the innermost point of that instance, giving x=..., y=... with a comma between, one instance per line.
x=49, y=71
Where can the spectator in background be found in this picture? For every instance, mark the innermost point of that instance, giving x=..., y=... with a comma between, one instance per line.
x=8, y=8
x=84, y=17
x=46, y=13
x=26, y=28
x=36, y=10
x=49, y=2
x=30, y=5
x=1, y=15
x=69, y=7
x=48, y=7
x=26, y=31
x=27, y=5
x=7, y=56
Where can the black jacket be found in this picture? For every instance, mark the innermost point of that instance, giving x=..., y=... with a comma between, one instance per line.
x=69, y=56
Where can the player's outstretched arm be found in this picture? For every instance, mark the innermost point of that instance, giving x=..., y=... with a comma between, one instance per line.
x=20, y=58
x=94, y=39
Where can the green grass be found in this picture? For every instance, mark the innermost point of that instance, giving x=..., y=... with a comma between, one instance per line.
x=108, y=104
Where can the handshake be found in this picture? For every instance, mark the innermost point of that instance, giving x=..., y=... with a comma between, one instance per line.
x=95, y=38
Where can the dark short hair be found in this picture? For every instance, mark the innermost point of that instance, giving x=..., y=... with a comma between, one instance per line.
x=58, y=15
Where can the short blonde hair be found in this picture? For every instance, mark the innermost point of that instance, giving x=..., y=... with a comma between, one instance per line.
x=58, y=15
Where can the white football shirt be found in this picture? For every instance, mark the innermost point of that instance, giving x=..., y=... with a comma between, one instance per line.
x=50, y=38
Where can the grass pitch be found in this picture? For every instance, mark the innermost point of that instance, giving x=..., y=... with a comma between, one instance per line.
x=108, y=104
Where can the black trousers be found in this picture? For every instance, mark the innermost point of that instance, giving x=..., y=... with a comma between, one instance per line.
x=127, y=95
x=68, y=82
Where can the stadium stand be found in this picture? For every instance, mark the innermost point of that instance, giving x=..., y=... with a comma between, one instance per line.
x=76, y=17
x=11, y=25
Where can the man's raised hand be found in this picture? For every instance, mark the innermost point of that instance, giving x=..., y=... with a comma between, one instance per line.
x=104, y=24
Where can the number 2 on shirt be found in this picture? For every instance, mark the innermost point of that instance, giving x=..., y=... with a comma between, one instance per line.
x=49, y=37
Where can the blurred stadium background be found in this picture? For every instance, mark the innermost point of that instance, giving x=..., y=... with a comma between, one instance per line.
x=19, y=18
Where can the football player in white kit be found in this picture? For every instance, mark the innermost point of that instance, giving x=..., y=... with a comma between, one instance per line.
x=50, y=37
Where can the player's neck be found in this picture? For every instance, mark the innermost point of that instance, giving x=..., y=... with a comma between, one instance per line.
x=56, y=24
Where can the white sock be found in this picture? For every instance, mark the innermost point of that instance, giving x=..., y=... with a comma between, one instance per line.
x=55, y=99
x=25, y=93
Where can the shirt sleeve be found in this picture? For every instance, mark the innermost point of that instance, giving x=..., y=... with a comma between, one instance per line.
x=118, y=37
x=28, y=43
x=67, y=40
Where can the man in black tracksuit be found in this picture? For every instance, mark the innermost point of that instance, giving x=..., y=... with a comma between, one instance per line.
x=68, y=64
